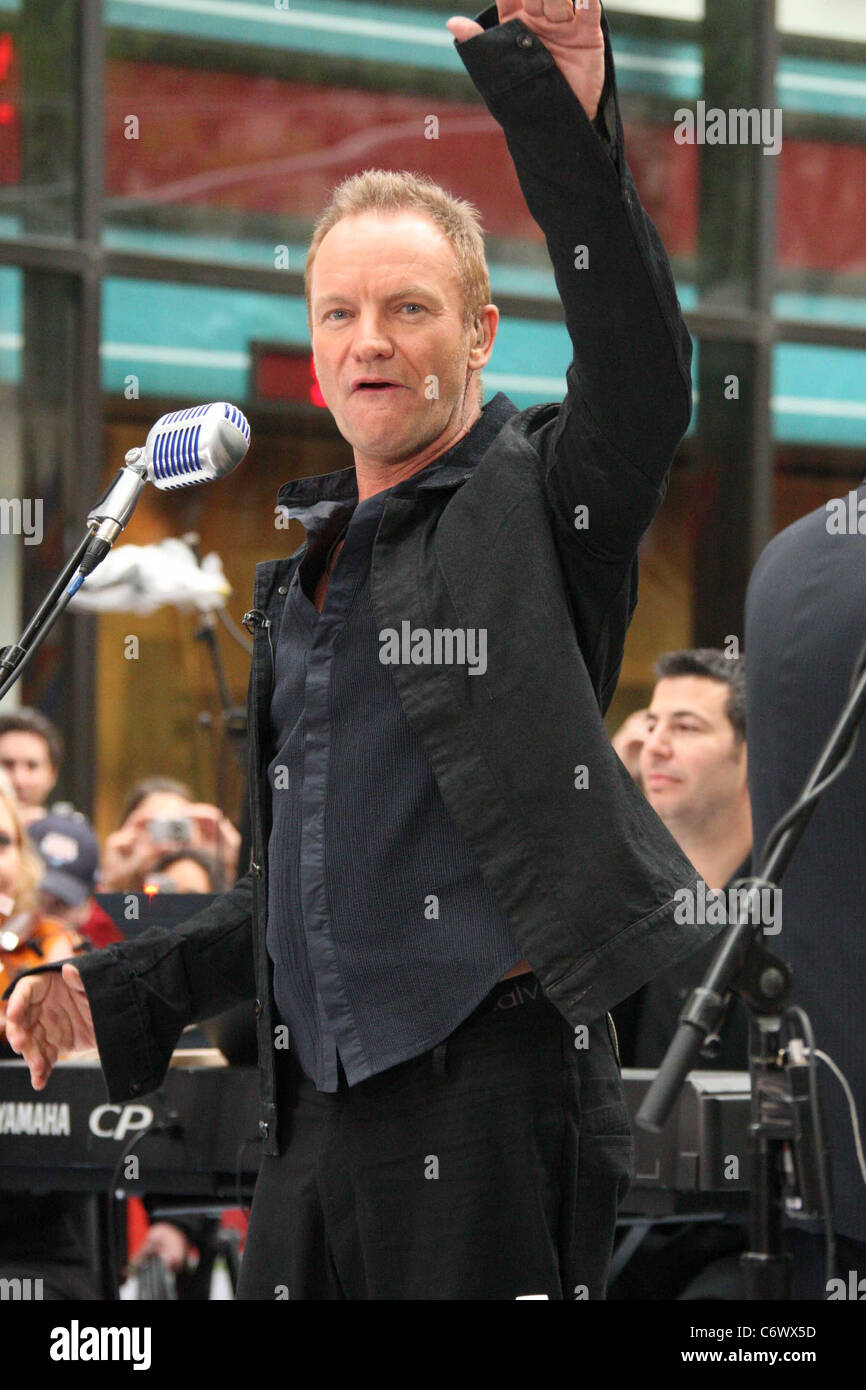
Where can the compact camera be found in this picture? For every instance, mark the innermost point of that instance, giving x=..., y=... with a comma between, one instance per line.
x=175, y=831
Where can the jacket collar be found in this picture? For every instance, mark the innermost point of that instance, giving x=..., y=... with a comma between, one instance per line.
x=324, y=493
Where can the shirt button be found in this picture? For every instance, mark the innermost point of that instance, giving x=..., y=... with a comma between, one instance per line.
x=524, y=40
x=282, y=590
x=264, y=1128
x=258, y=1007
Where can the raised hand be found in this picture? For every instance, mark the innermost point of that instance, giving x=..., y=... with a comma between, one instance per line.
x=48, y=1015
x=570, y=32
x=127, y=856
x=217, y=836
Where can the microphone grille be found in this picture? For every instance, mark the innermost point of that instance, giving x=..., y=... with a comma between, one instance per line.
x=196, y=445
x=232, y=413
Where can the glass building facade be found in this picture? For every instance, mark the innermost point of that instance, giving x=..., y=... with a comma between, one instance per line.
x=161, y=166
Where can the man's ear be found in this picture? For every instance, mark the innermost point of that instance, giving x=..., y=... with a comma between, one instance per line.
x=742, y=750
x=483, y=336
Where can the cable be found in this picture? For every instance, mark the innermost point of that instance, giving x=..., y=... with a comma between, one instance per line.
x=111, y=1233
x=164, y=1124
x=237, y=633
x=826, y=1207
x=852, y=1107
x=794, y=812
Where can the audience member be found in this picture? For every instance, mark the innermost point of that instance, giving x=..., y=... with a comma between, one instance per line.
x=31, y=750
x=692, y=764
x=183, y=871
x=160, y=817
x=694, y=772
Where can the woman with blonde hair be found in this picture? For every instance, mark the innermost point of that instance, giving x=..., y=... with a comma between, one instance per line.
x=27, y=936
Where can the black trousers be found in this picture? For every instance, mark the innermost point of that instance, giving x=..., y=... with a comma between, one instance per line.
x=487, y=1168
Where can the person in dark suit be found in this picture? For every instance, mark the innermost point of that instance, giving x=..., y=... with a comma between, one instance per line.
x=805, y=625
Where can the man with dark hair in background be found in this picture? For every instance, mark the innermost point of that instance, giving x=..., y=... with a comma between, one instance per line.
x=691, y=760
x=693, y=767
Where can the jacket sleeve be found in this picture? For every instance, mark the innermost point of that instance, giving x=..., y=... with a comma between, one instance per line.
x=608, y=447
x=143, y=993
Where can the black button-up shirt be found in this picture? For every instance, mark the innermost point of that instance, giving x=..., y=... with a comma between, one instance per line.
x=382, y=930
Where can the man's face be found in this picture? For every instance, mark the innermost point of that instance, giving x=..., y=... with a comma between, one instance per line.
x=691, y=765
x=386, y=304
x=24, y=757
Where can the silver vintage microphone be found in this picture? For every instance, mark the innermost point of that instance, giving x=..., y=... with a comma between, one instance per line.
x=183, y=448
x=196, y=445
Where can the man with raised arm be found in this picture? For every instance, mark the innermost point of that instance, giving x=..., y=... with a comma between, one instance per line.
x=453, y=877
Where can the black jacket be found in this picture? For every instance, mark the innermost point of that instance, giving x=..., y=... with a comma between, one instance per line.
x=805, y=627
x=586, y=873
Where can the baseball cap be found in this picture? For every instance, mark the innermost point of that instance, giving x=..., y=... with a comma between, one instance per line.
x=70, y=852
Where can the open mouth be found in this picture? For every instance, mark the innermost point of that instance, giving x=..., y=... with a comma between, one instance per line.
x=377, y=386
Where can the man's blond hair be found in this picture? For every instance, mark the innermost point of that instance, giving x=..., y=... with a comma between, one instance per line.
x=395, y=190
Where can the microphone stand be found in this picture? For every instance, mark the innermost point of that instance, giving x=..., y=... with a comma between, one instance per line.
x=234, y=716
x=14, y=658
x=787, y=1151
x=105, y=522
